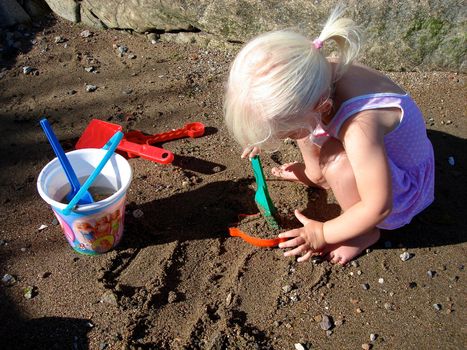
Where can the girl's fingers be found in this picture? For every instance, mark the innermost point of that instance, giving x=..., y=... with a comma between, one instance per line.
x=295, y=242
x=302, y=249
x=302, y=218
x=306, y=256
x=250, y=152
x=288, y=234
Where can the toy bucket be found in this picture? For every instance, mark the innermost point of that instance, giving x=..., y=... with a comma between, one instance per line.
x=91, y=228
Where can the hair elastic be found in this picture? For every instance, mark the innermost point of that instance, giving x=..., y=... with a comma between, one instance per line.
x=318, y=44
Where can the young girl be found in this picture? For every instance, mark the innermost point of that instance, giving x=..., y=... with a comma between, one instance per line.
x=359, y=133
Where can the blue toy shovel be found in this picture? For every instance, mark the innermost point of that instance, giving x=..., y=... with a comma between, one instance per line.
x=110, y=146
x=70, y=174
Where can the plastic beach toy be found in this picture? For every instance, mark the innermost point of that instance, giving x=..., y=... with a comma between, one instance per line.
x=110, y=146
x=135, y=143
x=93, y=228
x=86, y=197
x=262, y=198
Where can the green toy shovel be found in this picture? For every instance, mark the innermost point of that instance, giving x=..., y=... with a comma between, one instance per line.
x=262, y=198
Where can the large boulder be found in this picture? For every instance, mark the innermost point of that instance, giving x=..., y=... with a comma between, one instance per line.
x=401, y=35
x=21, y=11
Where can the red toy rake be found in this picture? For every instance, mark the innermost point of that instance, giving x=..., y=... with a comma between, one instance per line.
x=136, y=143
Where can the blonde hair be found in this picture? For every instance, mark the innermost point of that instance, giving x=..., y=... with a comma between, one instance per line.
x=277, y=79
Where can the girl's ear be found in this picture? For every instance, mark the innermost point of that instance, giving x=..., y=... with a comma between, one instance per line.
x=325, y=106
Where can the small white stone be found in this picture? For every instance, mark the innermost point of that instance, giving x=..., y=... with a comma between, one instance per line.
x=42, y=227
x=299, y=346
x=451, y=161
x=405, y=256
x=381, y=280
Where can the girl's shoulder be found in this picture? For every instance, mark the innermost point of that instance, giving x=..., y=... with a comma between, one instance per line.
x=360, y=80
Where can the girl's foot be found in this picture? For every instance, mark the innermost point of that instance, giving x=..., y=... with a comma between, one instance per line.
x=292, y=172
x=344, y=252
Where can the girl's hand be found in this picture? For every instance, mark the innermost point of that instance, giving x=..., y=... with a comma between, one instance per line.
x=306, y=241
x=250, y=151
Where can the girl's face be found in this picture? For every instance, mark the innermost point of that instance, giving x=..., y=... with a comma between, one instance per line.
x=297, y=134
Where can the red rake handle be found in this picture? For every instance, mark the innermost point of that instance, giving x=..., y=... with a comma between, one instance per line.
x=258, y=242
x=155, y=154
x=191, y=130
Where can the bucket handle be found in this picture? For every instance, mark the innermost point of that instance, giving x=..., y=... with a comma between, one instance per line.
x=110, y=146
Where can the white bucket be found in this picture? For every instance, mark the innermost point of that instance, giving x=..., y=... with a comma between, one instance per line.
x=91, y=228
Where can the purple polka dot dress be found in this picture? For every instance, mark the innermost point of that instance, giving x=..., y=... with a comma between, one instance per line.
x=409, y=151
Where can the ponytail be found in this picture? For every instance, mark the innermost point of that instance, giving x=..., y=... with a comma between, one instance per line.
x=347, y=36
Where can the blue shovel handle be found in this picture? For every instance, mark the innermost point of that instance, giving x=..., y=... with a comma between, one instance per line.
x=70, y=174
x=110, y=146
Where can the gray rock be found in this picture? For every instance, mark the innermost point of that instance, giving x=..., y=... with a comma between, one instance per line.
x=27, y=70
x=68, y=9
x=91, y=88
x=427, y=35
x=406, y=256
x=8, y=279
x=326, y=322
x=109, y=298
x=12, y=13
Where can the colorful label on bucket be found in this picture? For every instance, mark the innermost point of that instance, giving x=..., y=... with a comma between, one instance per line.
x=96, y=233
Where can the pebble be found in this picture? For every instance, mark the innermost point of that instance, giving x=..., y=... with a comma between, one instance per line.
x=287, y=288
x=381, y=280
x=294, y=298
x=299, y=346
x=109, y=298
x=85, y=33
x=59, y=39
x=29, y=292
x=365, y=286
x=366, y=346
x=91, y=88
x=172, y=297
x=431, y=273
x=451, y=161
x=137, y=213
x=388, y=306
x=89, y=69
x=326, y=322
x=131, y=56
x=42, y=227
x=373, y=336
x=27, y=69
x=8, y=279
x=153, y=38
x=406, y=256
x=354, y=263
x=437, y=307
x=122, y=49
x=412, y=285
x=228, y=299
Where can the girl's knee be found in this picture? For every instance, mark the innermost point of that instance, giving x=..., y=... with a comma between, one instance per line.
x=333, y=157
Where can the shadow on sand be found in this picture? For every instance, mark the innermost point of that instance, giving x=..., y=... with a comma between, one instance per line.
x=208, y=211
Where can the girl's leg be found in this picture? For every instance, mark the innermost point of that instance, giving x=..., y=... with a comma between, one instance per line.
x=309, y=172
x=339, y=175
